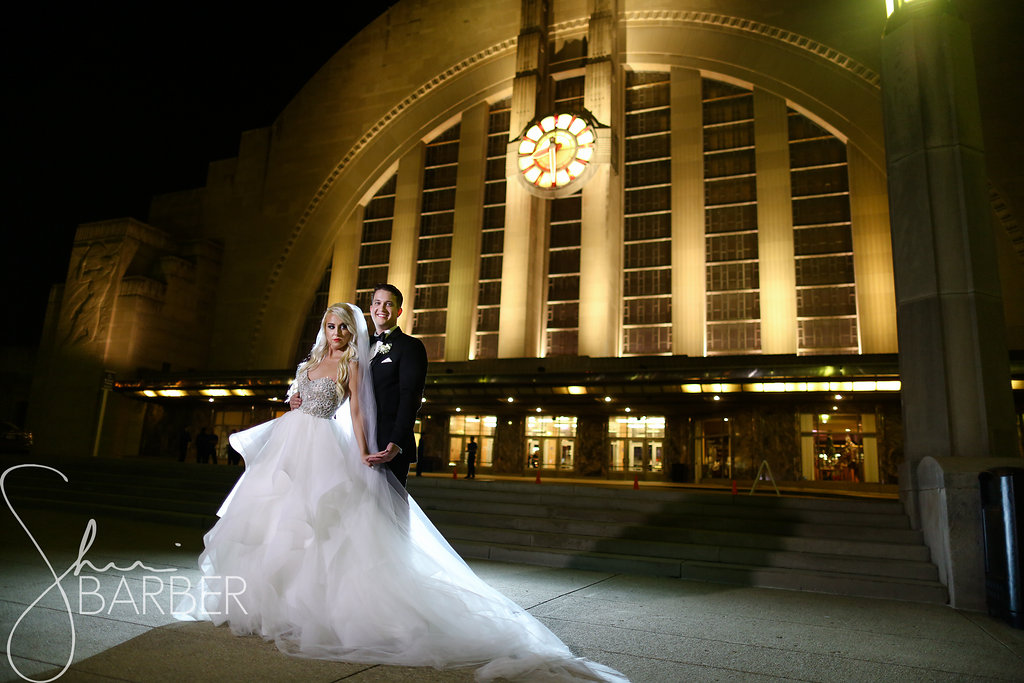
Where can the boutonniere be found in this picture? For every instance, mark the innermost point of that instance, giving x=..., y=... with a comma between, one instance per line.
x=384, y=349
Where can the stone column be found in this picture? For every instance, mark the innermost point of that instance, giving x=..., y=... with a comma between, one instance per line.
x=775, y=224
x=524, y=261
x=953, y=357
x=688, y=262
x=466, y=234
x=405, y=230
x=432, y=446
x=509, y=445
x=592, y=445
x=678, y=437
x=600, y=308
x=872, y=253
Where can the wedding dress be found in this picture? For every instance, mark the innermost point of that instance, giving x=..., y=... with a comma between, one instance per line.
x=338, y=562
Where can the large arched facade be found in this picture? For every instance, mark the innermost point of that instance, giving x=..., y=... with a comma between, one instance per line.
x=719, y=293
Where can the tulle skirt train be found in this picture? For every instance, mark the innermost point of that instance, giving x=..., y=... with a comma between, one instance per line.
x=333, y=560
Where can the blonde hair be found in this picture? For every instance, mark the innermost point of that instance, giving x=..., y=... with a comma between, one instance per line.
x=321, y=348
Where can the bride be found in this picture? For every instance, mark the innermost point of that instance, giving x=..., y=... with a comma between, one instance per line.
x=331, y=559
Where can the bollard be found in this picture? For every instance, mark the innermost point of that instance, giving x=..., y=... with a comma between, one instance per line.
x=734, y=487
x=636, y=482
x=455, y=473
x=537, y=480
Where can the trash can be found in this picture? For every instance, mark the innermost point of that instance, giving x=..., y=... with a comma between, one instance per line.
x=1002, y=490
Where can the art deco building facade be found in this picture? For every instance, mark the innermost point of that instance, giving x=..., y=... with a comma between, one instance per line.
x=637, y=238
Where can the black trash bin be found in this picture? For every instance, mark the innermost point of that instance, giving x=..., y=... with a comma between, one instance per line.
x=1002, y=490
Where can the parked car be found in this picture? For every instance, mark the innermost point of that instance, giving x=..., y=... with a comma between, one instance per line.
x=14, y=439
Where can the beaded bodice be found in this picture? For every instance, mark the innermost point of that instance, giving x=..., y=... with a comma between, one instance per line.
x=319, y=397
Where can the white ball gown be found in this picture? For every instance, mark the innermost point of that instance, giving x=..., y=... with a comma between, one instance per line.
x=340, y=563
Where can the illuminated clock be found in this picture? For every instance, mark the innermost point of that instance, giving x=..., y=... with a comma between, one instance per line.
x=556, y=154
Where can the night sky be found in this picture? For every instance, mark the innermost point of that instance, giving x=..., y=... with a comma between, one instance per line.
x=105, y=110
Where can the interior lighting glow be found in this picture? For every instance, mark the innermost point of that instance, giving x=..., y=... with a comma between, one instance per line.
x=691, y=388
x=607, y=399
x=839, y=397
x=510, y=399
x=576, y=391
x=1014, y=384
x=840, y=386
x=890, y=385
x=627, y=409
x=718, y=398
x=458, y=410
x=243, y=392
x=210, y=399
x=150, y=393
x=215, y=392
x=537, y=409
x=172, y=393
x=865, y=386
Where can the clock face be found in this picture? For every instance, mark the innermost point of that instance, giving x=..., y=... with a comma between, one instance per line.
x=555, y=152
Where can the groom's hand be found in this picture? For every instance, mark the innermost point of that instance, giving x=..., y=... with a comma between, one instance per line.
x=386, y=455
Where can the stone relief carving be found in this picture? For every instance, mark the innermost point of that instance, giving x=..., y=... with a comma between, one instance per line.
x=90, y=291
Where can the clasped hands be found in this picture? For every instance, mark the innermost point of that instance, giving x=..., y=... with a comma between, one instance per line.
x=371, y=459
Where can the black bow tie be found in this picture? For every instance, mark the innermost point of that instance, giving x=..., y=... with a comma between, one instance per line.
x=378, y=337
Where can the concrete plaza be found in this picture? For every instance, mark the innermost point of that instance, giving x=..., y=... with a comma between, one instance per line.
x=651, y=629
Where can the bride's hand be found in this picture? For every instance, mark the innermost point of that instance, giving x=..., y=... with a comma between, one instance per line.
x=366, y=459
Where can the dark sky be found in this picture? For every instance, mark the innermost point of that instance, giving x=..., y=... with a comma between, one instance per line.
x=105, y=110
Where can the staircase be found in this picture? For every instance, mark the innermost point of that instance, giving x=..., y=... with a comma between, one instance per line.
x=862, y=548
x=850, y=547
x=147, y=490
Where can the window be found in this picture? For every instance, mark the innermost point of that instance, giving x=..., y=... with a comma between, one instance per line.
x=481, y=429
x=636, y=443
x=550, y=442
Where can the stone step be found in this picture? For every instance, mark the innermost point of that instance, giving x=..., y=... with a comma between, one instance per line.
x=851, y=564
x=715, y=572
x=884, y=514
x=714, y=519
x=853, y=547
x=619, y=496
x=651, y=531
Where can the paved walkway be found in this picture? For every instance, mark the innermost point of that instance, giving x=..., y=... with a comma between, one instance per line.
x=651, y=629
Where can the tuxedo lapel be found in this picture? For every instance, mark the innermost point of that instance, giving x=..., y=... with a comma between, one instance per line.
x=390, y=339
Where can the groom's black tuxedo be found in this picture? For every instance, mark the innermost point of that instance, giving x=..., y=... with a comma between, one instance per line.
x=398, y=378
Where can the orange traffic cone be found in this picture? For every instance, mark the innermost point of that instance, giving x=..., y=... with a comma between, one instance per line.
x=636, y=482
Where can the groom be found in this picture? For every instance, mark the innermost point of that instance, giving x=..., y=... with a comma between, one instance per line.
x=399, y=368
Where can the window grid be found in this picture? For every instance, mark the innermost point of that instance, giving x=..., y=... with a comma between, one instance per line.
x=488, y=312
x=732, y=273
x=375, y=245
x=562, y=310
x=563, y=298
x=647, y=263
x=434, y=248
x=822, y=240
